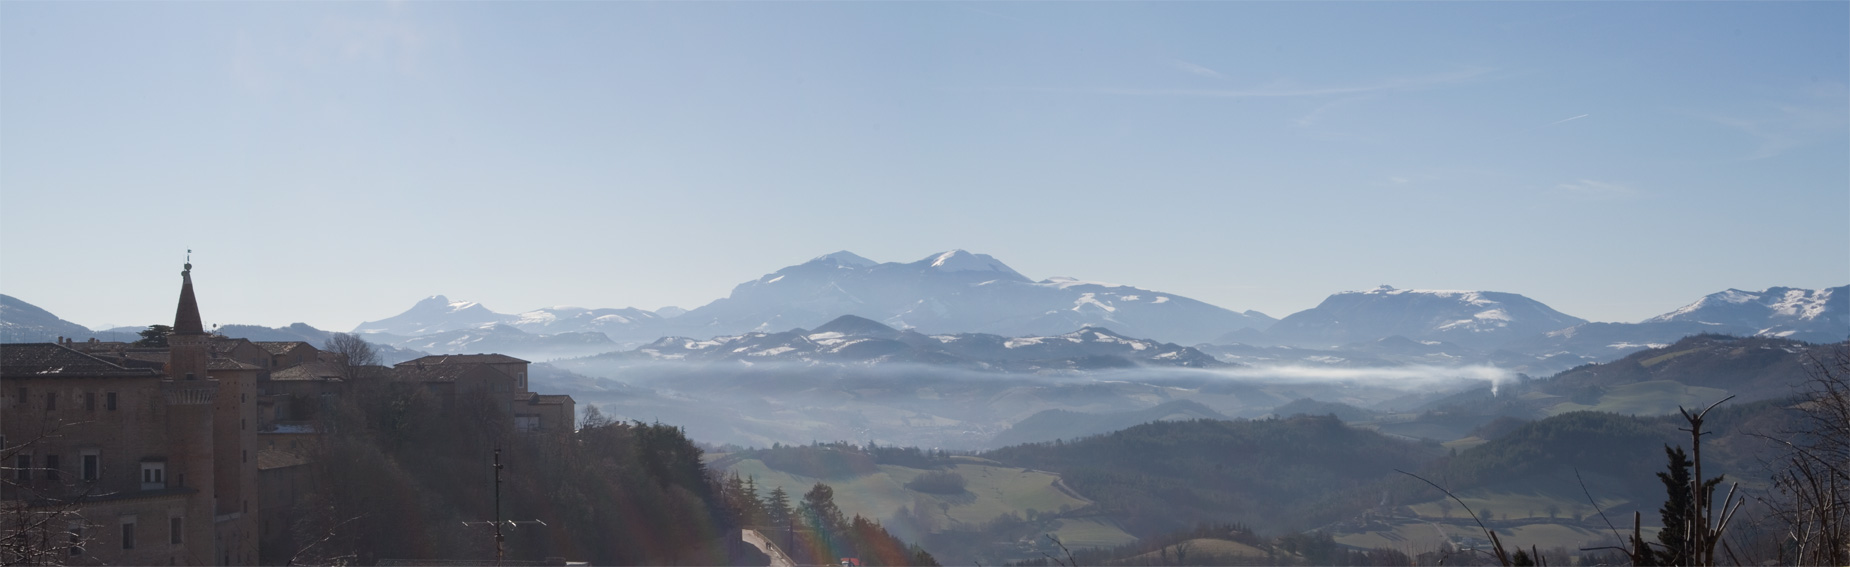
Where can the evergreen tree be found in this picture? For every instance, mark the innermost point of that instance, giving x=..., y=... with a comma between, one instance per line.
x=754, y=507
x=819, y=509
x=154, y=336
x=777, y=510
x=1679, y=508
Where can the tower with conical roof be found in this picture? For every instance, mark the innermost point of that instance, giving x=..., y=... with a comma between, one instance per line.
x=189, y=341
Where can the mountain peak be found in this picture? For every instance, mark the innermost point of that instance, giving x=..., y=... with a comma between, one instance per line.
x=845, y=258
x=963, y=261
x=854, y=326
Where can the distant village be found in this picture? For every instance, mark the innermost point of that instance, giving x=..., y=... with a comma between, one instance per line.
x=189, y=453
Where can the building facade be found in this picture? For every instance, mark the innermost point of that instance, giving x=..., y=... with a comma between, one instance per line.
x=134, y=458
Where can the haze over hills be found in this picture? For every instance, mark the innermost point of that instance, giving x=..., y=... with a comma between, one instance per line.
x=958, y=292
x=22, y=322
x=1477, y=319
x=950, y=292
x=856, y=340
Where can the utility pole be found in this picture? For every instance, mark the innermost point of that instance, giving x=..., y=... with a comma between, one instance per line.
x=501, y=540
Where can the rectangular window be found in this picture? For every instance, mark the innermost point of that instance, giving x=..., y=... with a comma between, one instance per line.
x=109, y=401
x=20, y=399
x=174, y=531
x=92, y=462
x=89, y=401
x=153, y=475
x=51, y=400
x=128, y=535
x=22, y=468
x=51, y=467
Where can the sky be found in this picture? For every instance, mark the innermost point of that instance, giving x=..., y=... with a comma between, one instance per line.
x=333, y=163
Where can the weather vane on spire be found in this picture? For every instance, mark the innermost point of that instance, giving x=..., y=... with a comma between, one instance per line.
x=189, y=259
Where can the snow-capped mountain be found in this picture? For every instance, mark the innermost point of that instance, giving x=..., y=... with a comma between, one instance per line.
x=438, y=314
x=505, y=339
x=852, y=339
x=564, y=319
x=1812, y=315
x=948, y=292
x=1476, y=319
x=435, y=314
x=953, y=292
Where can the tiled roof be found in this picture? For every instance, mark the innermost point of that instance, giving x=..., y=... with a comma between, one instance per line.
x=315, y=371
x=438, y=372
x=463, y=359
x=229, y=364
x=223, y=345
x=553, y=399
x=39, y=360
x=281, y=347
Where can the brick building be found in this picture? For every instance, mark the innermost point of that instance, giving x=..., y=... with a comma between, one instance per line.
x=152, y=452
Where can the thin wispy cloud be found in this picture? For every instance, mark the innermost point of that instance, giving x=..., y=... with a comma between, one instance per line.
x=1568, y=119
x=1787, y=127
x=1275, y=89
x=1197, y=70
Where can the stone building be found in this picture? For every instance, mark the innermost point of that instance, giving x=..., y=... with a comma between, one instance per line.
x=456, y=378
x=152, y=453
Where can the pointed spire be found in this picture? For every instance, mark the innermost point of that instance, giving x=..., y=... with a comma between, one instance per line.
x=186, y=319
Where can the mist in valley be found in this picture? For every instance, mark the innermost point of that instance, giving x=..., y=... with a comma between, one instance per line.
x=958, y=409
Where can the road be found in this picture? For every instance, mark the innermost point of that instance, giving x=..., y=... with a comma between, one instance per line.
x=778, y=559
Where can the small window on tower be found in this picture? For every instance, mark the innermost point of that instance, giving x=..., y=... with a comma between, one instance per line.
x=109, y=401
x=51, y=400
x=89, y=401
x=22, y=468
x=153, y=475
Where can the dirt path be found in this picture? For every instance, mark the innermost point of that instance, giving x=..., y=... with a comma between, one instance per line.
x=778, y=559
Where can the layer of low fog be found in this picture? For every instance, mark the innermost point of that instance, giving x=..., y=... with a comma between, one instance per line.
x=952, y=408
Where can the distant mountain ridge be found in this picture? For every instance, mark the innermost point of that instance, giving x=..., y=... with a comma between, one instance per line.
x=857, y=340
x=1478, y=319
x=22, y=322
x=949, y=292
x=1812, y=315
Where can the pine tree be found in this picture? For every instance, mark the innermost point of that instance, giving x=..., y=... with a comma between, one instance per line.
x=1679, y=508
x=754, y=507
x=777, y=510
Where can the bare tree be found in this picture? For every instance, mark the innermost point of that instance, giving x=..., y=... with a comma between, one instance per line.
x=40, y=525
x=354, y=349
x=1812, y=483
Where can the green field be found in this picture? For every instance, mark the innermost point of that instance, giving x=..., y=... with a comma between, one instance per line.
x=991, y=491
x=1521, y=508
x=1656, y=397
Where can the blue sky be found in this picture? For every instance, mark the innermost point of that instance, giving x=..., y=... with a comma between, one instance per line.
x=334, y=162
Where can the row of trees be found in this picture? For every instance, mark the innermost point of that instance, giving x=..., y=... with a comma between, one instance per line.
x=400, y=474
x=815, y=531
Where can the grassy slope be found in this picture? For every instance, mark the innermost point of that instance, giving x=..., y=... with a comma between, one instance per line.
x=992, y=490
